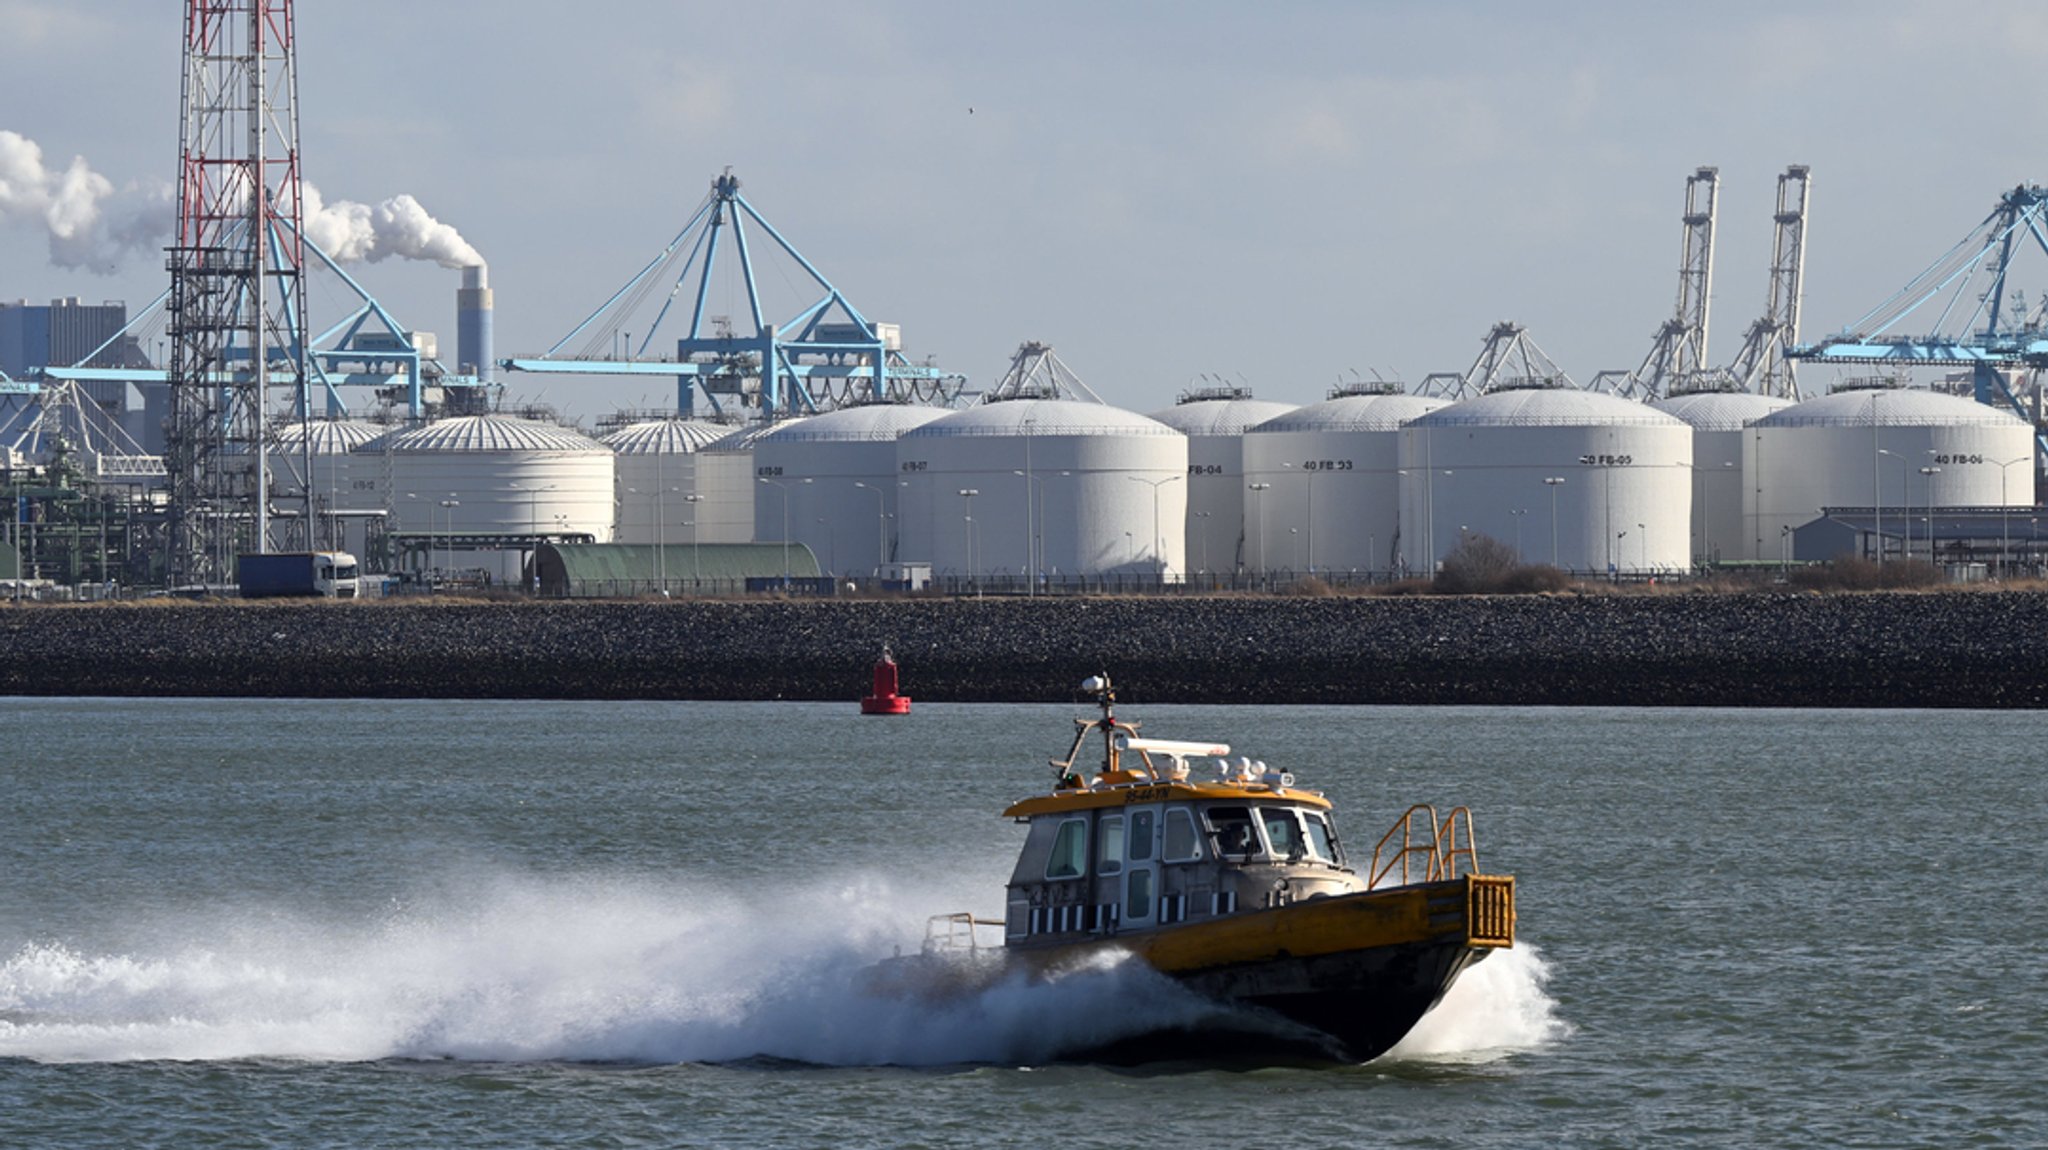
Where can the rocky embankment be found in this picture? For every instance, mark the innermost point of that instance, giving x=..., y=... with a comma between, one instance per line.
x=1961, y=649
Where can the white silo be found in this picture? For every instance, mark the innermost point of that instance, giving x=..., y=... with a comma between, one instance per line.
x=1323, y=485
x=725, y=479
x=655, y=477
x=491, y=477
x=346, y=490
x=1890, y=449
x=1589, y=481
x=1720, y=499
x=1215, y=423
x=832, y=480
x=1060, y=486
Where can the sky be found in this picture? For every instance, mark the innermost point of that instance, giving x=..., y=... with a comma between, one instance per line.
x=1281, y=195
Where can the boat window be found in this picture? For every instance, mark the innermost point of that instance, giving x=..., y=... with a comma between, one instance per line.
x=1282, y=831
x=1110, y=858
x=1233, y=827
x=1321, y=842
x=1069, y=850
x=1141, y=835
x=1138, y=893
x=1182, y=844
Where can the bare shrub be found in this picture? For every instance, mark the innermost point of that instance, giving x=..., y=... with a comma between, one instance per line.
x=1478, y=564
x=1855, y=573
x=1534, y=579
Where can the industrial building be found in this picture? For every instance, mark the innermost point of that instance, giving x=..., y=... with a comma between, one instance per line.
x=1323, y=485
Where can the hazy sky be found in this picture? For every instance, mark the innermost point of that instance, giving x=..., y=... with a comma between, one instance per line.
x=1282, y=192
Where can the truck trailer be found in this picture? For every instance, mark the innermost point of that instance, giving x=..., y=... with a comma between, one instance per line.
x=322, y=574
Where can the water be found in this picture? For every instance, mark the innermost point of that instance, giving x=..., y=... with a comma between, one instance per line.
x=509, y=924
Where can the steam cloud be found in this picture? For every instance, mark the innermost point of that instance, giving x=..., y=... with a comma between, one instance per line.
x=93, y=225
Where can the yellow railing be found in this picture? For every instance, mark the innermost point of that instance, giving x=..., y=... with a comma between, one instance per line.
x=954, y=932
x=1425, y=849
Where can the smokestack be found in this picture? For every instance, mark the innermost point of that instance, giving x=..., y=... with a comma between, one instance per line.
x=473, y=350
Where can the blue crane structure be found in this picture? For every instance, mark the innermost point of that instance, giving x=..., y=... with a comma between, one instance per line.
x=826, y=355
x=1973, y=318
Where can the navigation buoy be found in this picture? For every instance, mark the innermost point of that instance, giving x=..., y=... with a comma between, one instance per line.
x=885, y=700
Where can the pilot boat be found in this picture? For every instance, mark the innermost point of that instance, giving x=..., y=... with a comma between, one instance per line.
x=1239, y=886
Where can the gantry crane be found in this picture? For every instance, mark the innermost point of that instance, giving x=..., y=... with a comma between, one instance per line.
x=1764, y=364
x=1507, y=358
x=1678, y=352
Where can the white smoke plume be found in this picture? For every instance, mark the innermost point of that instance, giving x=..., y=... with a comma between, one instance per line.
x=90, y=223
x=95, y=226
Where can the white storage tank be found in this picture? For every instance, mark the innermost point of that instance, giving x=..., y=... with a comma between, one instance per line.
x=494, y=475
x=1215, y=424
x=833, y=479
x=1720, y=499
x=655, y=475
x=1329, y=498
x=1867, y=447
x=347, y=492
x=725, y=479
x=1061, y=486
x=1622, y=501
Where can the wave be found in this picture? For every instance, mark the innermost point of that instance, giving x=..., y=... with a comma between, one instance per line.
x=613, y=970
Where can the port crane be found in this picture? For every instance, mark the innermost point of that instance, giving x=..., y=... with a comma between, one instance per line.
x=827, y=354
x=1967, y=312
x=1678, y=352
x=1765, y=365
x=1507, y=358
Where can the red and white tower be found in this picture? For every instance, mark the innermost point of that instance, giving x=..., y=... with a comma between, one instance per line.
x=237, y=305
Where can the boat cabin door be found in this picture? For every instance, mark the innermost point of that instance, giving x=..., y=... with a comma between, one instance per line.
x=1141, y=866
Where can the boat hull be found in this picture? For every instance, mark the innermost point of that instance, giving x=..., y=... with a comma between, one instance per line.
x=1356, y=971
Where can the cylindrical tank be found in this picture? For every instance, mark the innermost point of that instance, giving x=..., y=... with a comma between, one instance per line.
x=1215, y=427
x=1323, y=485
x=654, y=477
x=1719, y=498
x=495, y=476
x=832, y=479
x=1590, y=482
x=1887, y=448
x=1053, y=485
x=346, y=488
x=726, y=480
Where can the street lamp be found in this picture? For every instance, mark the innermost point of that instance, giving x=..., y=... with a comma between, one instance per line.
x=1642, y=548
x=1518, y=513
x=1204, y=517
x=785, y=525
x=1258, y=491
x=1553, y=482
x=973, y=576
x=881, y=526
x=696, y=573
x=448, y=505
x=1158, y=546
x=1927, y=475
x=1310, y=473
x=2005, y=510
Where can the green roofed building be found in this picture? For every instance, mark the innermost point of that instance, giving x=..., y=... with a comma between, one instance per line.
x=607, y=570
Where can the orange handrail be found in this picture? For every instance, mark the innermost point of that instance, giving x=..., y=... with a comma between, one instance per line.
x=1430, y=848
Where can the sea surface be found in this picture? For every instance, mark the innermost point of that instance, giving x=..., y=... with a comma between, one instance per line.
x=367, y=924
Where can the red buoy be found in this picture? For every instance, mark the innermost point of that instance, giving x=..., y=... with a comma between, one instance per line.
x=885, y=700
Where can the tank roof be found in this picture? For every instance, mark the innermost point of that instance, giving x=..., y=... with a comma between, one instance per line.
x=866, y=423
x=1547, y=407
x=1889, y=407
x=1720, y=410
x=1220, y=416
x=745, y=437
x=491, y=433
x=330, y=436
x=1374, y=411
x=664, y=437
x=1045, y=417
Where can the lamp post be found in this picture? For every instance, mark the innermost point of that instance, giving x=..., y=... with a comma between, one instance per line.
x=696, y=572
x=1927, y=475
x=447, y=505
x=1034, y=535
x=881, y=526
x=1642, y=548
x=1158, y=546
x=1258, y=491
x=1553, y=482
x=2005, y=510
x=968, y=494
x=1204, y=517
x=1784, y=552
x=785, y=525
x=1309, y=473
x=1518, y=513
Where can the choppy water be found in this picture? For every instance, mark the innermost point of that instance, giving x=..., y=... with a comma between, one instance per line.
x=512, y=924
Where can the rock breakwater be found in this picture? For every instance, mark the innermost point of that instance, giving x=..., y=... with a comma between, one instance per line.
x=1949, y=650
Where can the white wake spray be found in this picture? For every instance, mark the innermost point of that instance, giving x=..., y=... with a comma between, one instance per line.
x=96, y=226
x=595, y=969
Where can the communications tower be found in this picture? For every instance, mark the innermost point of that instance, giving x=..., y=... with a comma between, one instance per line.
x=237, y=301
